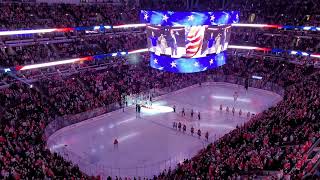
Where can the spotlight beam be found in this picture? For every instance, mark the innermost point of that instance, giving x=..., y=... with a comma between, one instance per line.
x=248, y=48
x=94, y=28
x=256, y=25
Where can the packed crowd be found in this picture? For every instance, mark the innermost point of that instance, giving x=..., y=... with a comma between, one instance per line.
x=71, y=48
x=281, y=73
x=293, y=12
x=23, y=151
x=43, y=15
x=279, y=39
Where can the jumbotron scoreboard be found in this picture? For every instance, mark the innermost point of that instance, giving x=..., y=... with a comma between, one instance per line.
x=188, y=42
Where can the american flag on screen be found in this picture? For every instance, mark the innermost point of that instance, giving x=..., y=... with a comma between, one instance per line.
x=195, y=35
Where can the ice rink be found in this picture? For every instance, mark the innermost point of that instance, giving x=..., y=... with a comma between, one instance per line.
x=148, y=144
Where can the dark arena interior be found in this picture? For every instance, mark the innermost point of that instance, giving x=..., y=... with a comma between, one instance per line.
x=160, y=89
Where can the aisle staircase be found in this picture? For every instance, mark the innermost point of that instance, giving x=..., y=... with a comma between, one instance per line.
x=308, y=165
x=312, y=164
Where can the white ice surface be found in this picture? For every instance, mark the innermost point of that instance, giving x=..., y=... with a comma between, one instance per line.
x=148, y=144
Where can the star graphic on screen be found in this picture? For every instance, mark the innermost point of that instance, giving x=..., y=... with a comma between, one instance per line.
x=176, y=24
x=213, y=23
x=190, y=18
x=196, y=64
x=211, y=61
x=155, y=61
x=227, y=15
x=173, y=64
x=165, y=18
x=146, y=16
x=237, y=16
x=212, y=18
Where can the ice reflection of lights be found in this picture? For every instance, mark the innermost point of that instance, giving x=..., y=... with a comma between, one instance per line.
x=126, y=121
x=160, y=103
x=217, y=125
x=155, y=109
x=54, y=147
x=111, y=126
x=231, y=98
x=101, y=129
x=122, y=122
x=126, y=137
